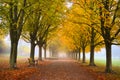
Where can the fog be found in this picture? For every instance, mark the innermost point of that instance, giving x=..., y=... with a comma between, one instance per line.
x=24, y=51
x=101, y=53
x=23, y=48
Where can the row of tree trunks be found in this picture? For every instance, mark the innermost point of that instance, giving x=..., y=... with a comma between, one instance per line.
x=32, y=52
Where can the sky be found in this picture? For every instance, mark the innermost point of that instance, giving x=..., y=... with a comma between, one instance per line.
x=69, y=4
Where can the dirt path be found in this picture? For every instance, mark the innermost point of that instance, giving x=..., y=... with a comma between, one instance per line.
x=61, y=70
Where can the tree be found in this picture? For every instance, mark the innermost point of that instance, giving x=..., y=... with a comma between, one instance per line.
x=91, y=17
x=32, y=26
x=80, y=28
x=15, y=17
x=109, y=27
x=51, y=19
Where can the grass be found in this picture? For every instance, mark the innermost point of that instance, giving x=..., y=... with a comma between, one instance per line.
x=115, y=64
x=99, y=70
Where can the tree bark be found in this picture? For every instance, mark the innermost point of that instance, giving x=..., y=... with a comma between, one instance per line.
x=92, y=47
x=92, y=63
x=13, y=37
x=76, y=56
x=107, y=39
x=32, y=51
x=108, y=57
x=45, y=51
x=83, y=49
x=40, y=52
x=13, y=55
x=79, y=55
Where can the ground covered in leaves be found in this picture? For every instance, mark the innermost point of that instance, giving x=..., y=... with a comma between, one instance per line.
x=58, y=69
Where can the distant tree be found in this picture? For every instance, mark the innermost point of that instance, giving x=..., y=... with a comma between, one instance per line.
x=52, y=15
x=90, y=17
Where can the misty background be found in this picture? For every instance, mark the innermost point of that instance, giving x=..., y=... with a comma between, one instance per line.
x=24, y=51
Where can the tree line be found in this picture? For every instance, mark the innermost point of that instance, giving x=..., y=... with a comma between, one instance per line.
x=94, y=24
x=31, y=20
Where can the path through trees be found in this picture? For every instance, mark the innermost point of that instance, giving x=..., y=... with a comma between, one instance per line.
x=62, y=69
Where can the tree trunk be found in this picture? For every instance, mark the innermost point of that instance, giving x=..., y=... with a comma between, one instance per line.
x=92, y=47
x=92, y=63
x=83, y=55
x=76, y=56
x=79, y=55
x=40, y=52
x=108, y=57
x=32, y=51
x=16, y=25
x=45, y=51
x=13, y=55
